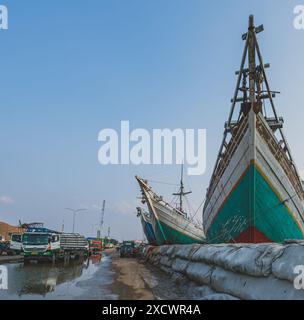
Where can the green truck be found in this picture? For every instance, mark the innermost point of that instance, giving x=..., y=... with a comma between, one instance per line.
x=128, y=249
x=45, y=244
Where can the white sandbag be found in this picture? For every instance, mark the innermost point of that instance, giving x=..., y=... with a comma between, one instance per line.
x=186, y=251
x=199, y=272
x=254, y=288
x=166, y=269
x=220, y=296
x=165, y=261
x=163, y=250
x=180, y=265
x=196, y=292
x=284, y=266
x=212, y=253
x=170, y=250
x=251, y=260
x=179, y=278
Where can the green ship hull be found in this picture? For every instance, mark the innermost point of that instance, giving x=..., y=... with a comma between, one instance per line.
x=166, y=235
x=254, y=212
x=255, y=193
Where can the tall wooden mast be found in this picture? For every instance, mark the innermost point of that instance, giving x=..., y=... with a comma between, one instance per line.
x=181, y=192
x=252, y=96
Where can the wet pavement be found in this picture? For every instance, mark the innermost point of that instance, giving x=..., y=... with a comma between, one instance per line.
x=106, y=278
x=47, y=281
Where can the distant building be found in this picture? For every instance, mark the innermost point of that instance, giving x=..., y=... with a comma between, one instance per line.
x=6, y=230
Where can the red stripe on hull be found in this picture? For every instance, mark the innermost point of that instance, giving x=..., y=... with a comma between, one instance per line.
x=251, y=235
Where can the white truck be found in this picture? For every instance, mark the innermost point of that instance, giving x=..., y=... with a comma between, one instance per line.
x=45, y=244
x=15, y=245
x=12, y=246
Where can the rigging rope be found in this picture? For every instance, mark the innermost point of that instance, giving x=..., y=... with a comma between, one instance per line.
x=162, y=182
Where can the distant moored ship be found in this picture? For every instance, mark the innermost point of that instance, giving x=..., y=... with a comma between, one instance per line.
x=145, y=220
x=171, y=225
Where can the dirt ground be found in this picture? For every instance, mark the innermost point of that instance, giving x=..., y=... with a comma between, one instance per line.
x=132, y=280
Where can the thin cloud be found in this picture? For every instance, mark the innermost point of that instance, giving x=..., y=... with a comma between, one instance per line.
x=124, y=207
x=6, y=200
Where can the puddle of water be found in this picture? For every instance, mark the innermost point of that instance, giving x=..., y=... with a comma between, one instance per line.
x=45, y=281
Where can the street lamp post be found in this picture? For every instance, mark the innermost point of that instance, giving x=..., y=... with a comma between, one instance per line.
x=75, y=211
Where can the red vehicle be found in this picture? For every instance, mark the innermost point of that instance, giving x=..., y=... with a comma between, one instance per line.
x=95, y=246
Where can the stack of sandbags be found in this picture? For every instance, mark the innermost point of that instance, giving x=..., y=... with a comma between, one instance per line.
x=244, y=271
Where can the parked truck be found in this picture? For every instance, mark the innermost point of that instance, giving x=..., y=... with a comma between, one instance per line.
x=95, y=245
x=127, y=249
x=45, y=244
x=4, y=245
x=13, y=246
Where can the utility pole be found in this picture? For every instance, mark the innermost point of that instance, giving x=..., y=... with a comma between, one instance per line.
x=102, y=212
x=74, y=212
x=109, y=230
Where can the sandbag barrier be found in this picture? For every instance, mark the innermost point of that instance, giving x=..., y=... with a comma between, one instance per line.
x=233, y=271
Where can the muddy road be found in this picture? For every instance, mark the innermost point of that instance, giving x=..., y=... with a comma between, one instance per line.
x=106, y=278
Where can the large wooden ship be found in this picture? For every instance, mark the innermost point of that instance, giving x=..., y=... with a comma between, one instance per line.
x=255, y=194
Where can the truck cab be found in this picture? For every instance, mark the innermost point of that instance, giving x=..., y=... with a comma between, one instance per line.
x=45, y=244
x=16, y=243
x=127, y=249
x=39, y=245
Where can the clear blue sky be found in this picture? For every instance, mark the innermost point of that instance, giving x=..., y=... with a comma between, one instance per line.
x=71, y=68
